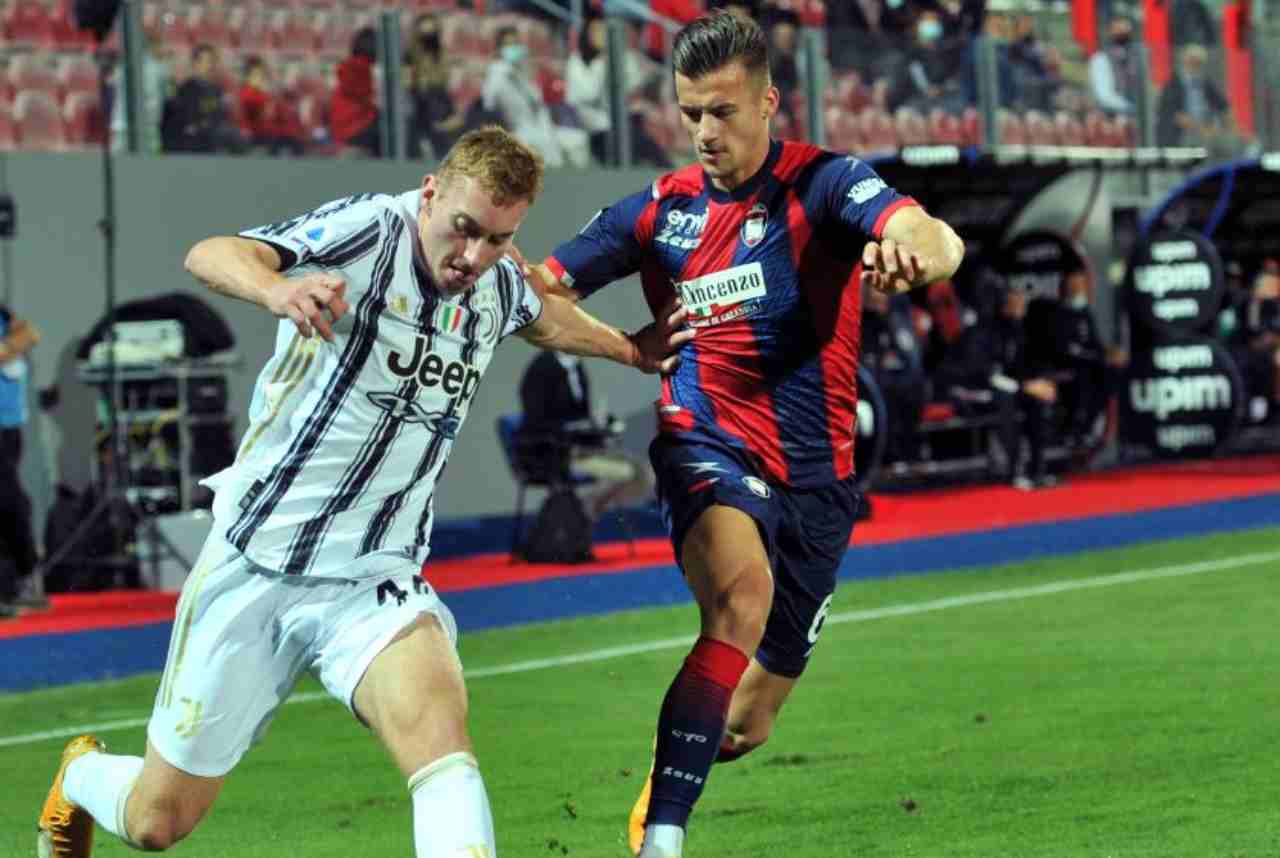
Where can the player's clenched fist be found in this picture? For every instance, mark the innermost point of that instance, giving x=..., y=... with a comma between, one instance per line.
x=315, y=302
x=890, y=267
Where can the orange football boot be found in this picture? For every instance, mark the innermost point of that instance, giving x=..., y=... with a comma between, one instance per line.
x=65, y=830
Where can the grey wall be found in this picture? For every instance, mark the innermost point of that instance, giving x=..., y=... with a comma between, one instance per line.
x=54, y=277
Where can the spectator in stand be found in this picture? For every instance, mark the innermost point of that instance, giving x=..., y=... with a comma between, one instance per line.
x=353, y=112
x=1230, y=326
x=265, y=119
x=1088, y=371
x=868, y=36
x=157, y=87
x=511, y=92
x=17, y=544
x=586, y=91
x=435, y=121
x=892, y=354
x=1192, y=111
x=928, y=79
x=196, y=118
x=1113, y=70
x=555, y=396
x=1259, y=354
x=1035, y=66
x=988, y=372
x=784, y=63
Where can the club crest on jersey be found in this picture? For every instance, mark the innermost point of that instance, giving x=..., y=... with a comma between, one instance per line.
x=406, y=410
x=724, y=295
x=754, y=226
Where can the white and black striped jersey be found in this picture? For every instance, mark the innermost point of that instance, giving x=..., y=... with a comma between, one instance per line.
x=346, y=439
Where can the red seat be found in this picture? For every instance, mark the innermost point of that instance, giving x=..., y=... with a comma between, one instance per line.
x=937, y=412
x=297, y=31
x=878, y=132
x=1011, y=130
x=208, y=25
x=168, y=25
x=39, y=121
x=252, y=29
x=1040, y=129
x=971, y=123
x=30, y=21
x=945, y=128
x=8, y=129
x=34, y=71
x=78, y=73
x=1070, y=130
x=83, y=120
x=911, y=126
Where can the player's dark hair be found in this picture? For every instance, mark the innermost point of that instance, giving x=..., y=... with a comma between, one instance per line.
x=712, y=42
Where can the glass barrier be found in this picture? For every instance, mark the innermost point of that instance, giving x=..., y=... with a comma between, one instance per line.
x=307, y=77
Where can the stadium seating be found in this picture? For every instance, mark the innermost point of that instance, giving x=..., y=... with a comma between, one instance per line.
x=8, y=129
x=83, y=119
x=39, y=120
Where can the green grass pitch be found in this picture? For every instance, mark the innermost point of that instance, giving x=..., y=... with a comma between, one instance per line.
x=1140, y=717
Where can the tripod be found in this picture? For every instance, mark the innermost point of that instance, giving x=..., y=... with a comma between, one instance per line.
x=115, y=503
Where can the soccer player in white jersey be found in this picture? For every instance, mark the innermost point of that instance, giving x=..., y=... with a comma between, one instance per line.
x=391, y=309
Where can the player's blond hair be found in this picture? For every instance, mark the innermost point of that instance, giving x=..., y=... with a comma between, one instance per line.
x=507, y=170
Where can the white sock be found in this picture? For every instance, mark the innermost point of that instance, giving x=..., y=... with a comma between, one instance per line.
x=662, y=841
x=101, y=783
x=451, y=816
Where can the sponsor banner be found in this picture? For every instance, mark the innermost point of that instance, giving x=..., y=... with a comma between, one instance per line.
x=1181, y=399
x=1175, y=283
x=1038, y=261
x=724, y=295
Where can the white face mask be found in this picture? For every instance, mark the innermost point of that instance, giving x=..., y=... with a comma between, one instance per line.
x=1078, y=302
x=514, y=53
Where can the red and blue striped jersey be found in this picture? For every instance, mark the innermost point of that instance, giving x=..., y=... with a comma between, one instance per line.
x=770, y=274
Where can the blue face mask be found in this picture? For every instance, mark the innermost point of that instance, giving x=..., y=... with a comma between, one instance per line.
x=514, y=53
x=929, y=31
x=1078, y=301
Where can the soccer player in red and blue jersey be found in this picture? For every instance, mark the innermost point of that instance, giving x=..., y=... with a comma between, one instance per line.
x=766, y=245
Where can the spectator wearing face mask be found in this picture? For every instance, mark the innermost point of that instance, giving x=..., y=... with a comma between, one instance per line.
x=353, y=114
x=511, y=92
x=587, y=91
x=1088, y=370
x=434, y=121
x=1192, y=111
x=1113, y=70
x=928, y=79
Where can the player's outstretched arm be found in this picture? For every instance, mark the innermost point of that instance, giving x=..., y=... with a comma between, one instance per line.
x=566, y=327
x=915, y=249
x=250, y=270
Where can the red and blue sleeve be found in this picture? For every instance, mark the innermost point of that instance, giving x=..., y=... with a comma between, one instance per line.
x=849, y=190
x=610, y=247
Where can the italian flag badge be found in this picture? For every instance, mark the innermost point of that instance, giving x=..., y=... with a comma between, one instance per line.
x=449, y=317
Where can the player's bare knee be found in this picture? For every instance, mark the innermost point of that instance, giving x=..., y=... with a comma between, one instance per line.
x=158, y=825
x=739, y=610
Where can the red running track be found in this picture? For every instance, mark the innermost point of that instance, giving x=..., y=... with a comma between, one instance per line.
x=897, y=518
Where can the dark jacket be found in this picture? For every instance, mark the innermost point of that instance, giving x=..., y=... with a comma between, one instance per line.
x=1173, y=101
x=196, y=119
x=547, y=398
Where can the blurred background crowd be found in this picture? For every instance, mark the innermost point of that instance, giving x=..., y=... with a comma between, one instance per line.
x=309, y=77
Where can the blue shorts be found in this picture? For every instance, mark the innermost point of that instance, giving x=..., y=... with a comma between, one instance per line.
x=805, y=532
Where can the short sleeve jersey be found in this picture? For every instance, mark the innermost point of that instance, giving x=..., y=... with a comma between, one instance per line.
x=770, y=275
x=347, y=439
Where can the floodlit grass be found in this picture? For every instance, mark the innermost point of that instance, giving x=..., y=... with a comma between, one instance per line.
x=1140, y=718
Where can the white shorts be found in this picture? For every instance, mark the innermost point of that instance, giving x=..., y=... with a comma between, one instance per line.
x=243, y=636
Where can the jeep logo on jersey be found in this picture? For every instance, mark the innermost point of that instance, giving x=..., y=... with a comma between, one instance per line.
x=724, y=295
x=405, y=409
x=682, y=230
x=454, y=377
x=753, y=227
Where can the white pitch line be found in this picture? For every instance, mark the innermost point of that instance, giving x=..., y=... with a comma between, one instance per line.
x=606, y=653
